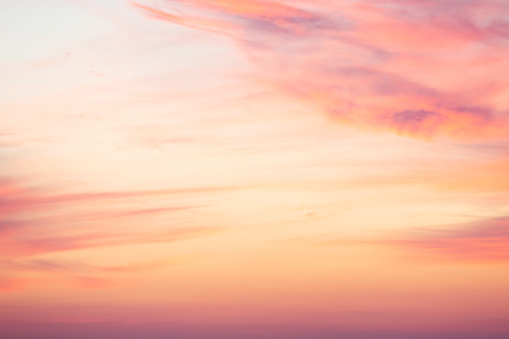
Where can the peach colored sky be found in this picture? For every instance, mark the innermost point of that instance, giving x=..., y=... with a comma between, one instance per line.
x=254, y=169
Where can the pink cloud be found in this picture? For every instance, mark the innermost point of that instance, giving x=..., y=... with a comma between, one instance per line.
x=484, y=241
x=36, y=220
x=418, y=68
x=26, y=243
x=24, y=274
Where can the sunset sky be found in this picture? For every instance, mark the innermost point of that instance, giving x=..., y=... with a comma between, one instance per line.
x=248, y=169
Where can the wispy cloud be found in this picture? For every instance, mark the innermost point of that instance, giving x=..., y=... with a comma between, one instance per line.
x=35, y=220
x=484, y=241
x=406, y=66
x=39, y=221
x=26, y=273
x=30, y=244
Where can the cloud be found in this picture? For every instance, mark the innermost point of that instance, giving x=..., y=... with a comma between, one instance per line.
x=36, y=220
x=27, y=273
x=484, y=241
x=421, y=68
x=70, y=266
x=28, y=244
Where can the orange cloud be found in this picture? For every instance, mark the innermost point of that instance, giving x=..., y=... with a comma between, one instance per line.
x=417, y=68
x=28, y=273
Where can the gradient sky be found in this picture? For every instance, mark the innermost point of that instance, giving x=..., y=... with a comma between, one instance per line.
x=210, y=169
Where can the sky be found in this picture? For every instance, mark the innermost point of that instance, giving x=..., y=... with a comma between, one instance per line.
x=216, y=169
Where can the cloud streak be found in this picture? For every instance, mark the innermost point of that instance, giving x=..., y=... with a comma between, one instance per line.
x=35, y=221
x=410, y=67
x=484, y=241
x=27, y=273
x=34, y=244
x=38, y=221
